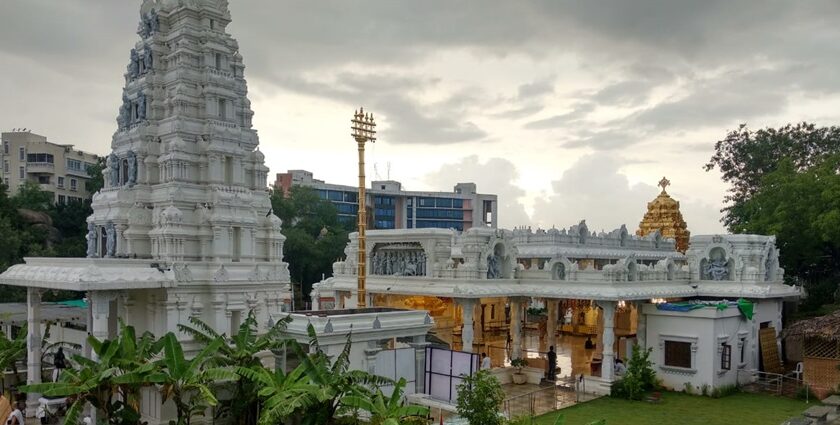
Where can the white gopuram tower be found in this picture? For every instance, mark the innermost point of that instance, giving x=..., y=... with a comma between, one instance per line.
x=183, y=226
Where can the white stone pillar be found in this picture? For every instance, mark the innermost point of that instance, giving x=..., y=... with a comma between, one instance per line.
x=608, y=340
x=33, y=346
x=100, y=312
x=420, y=345
x=515, y=328
x=551, y=325
x=641, y=326
x=467, y=331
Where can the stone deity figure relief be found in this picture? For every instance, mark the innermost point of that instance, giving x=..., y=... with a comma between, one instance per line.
x=149, y=23
x=132, y=168
x=91, y=240
x=717, y=269
x=494, y=267
x=113, y=164
x=134, y=66
x=141, y=107
x=124, y=118
x=147, y=59
x=398, y=263
x=110, y=239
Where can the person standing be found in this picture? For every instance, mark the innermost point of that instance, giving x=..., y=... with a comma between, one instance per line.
x=552, y=364
x=485, y=362
x=59, y=363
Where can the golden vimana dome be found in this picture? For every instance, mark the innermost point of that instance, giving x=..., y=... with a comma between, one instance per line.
x=663, y=214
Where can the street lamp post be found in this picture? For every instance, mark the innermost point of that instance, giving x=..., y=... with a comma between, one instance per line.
x=364, y=130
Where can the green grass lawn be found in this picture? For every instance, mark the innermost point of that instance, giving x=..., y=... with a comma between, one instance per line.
x=682, y=409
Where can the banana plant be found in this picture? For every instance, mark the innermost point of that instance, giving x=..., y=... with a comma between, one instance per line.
x=188, y=382
x=333, y=378
x=386, y=410
x=12, y=350
x=242, y=350
x=282, y=394
x=111, y=383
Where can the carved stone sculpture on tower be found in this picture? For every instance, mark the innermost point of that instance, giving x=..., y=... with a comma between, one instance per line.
x=113, y=164
x=110, y=239
x=91, y=240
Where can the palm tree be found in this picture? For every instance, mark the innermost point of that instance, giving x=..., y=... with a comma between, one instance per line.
x=281, y=394
x=241, y=351
x=187, y=382
x=111, y=383
x=387, y=410
x=334, y=380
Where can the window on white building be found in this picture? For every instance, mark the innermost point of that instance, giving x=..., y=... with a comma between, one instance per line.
x=62, y=199
x=6, y=147
x=5, y=166
x=22, y=170
x=219, y=61
x=22, y=154
x=726, y=357
x=60, y=183
x=73, y=185
x=678, y=354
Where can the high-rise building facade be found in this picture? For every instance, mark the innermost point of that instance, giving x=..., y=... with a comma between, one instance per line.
x=58, y=169
x=391, y=207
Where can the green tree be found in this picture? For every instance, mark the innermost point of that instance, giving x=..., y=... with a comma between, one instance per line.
x=315, y=238
x=30, y=196
x=241, y=351
x=96, y=180
x=801, y=206
x=745, y=157
x=389, y=410
x=784, y=182
x=479, y=399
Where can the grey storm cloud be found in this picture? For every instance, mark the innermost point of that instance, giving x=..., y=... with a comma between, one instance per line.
x=649, y=42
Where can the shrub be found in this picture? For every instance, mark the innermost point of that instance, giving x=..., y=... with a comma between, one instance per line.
x=639, y=377
x=725, y=390
x=805, y=393
x=479, y=398
x=704, y=390
x=518, y=363
x=688, y=388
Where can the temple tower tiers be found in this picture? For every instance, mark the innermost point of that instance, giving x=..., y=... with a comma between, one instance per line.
x=185, y=180
x=663, y=215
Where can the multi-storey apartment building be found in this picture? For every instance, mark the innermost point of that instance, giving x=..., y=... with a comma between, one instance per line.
x=391, y=207
x=58, y=169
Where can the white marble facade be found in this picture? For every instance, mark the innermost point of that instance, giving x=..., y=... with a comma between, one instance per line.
x=575, y=263
x=183, y=226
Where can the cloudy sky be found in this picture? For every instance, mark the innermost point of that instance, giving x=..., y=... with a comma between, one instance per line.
x=565, y=109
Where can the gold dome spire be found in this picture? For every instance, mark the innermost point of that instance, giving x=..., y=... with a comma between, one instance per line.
x=663, y=214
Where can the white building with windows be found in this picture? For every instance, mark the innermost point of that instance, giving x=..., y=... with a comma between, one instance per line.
x=57, y=169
